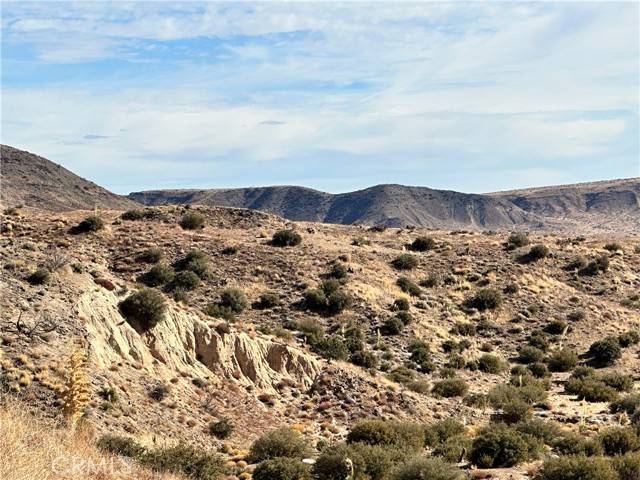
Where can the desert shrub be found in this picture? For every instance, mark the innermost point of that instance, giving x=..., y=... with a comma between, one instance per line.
x=408, y=286
x=627, y=466
x=234, y=299
x=420, y=468
x=576, y=468
x=594, y=267
x=331, y=347
x=453, y=449
x=442, y=430
x=338, y=301
x=538, y=252
x=221, y=429
x=192, y=221
x=571, y=443
x=514, y=411
x=282, y=468
x=268, y=300
x=539, y=340
x=315, y=300
x=613, y=247
x=618, y=381
x=124, y=446
x=405, y=261
x=497, y=446
x=338, y=271
x=466, y=329
x=576, y=263
x=218, y=311
x=433, y=280
x=583, y=371
x=186, y=460
x=517, y=240
x=629, y=338
x=531, y=391
x=282, y=442
x=286, y=238
x=158, y=275
x=555, y=327
x=150, y=255
x=92, y=223
x=393, y=326
x=541, y=429
x=401, y=374
x=450, y=387
x=489, y=363
x=421, y=356
x=135, y=214
x=391, y=433
x=401, y=305
x=590, y=389
x=628, y=404
x=185, y=281
x=605, y=352
x=485, y=299
x=528, y=354
x=40, y=277
x=539, y=370
x=562, y=360
x=422, y=244
x=370, y=462
x=195, y=261
x=364, y=359
x=618, y=440
x=144, y=308
x=419, y=386
x=230, y=250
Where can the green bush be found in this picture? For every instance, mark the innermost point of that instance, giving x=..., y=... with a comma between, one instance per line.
x=150, y=255
x=401, y=305
x=517, y=240
x=370, y=462
x=498, y=446
x=544, y=430
x=421, y=468
x=195, y=261
x=539, y=370
x=393, y=326
x=485, y=299
x=528, y=354
x=286, y=238
x=576, y=468
x=185, y=281
x=282, y=468
x=563, y=360
x=590, y=389
x=331, y=347
x=453, y=449
x=137, y=214
x=282, y=442
x=364, y=359
x=627, y=466
x=185, y=460
x=338, y=301
x=192, y=221
x=422, y=244
x=405, y=261
x=144, y=309
x=408, y=286
x=629, y=338
x=124, y=446
x=230, y=250
x=618, y=440
x=628, y=404
x=403, y=435
x=268, y=300
x=605, y=352
x=218, y=311
x=538, y=252
x=221, y=429
x=450, y=387
x=571, y=443
x=613, y=247
x=594, y=267
x=421, y=356
x=40, y=277
x=555, y=327
x=92, y=223
x=489, y=363
x=514, y=411
x=618, y=381
x=442, y=430
x=158, y=275
x=338, y=271
x=234, y=299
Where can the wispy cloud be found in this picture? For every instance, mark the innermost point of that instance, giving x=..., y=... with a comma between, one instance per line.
x=450, y=95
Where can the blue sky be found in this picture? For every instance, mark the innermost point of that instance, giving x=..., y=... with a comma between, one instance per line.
x=474, y=97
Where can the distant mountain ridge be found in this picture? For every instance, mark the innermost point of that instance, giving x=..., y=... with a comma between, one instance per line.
x=28, y=179
x=611, y=206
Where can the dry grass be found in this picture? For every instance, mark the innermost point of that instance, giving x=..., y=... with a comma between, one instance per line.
x=35, y=450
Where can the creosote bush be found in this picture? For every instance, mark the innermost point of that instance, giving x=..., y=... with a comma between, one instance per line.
x=450, y=387
x=489, y=363
x=144, y=308
x=92, y=223
x=268, y=300
x=282, y=442
x=577, y=468
x=408, y=286
x=370, y=462
x=485, y=299
x=286, y=238
x=158, y=275
x=618, y=440
x=605, y=352
x=192, y=221
x=422, y=244
x=185, y=281
x=391, y=433
x=234, y=299
x=497, y=446
x=421, y=468
x=517, y=240
x=282, y=468
x=195, y=261
x=40, y=277
x=150, y=255
x=405, y=261
x=538, y=252
x=222, y=428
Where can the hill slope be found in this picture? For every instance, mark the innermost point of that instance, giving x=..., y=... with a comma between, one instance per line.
x=391, y=205
x=29, y=179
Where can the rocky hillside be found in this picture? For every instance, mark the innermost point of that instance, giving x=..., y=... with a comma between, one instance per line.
x=28, y=179
x=581, y=208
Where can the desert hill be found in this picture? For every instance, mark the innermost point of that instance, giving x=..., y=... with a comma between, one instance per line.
x=28, y=179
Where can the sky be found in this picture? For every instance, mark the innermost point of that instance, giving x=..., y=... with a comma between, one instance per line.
x=474, y=97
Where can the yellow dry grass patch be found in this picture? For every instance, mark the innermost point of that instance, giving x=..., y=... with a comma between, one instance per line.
x=34, y=450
